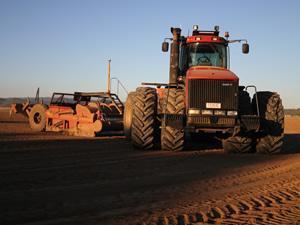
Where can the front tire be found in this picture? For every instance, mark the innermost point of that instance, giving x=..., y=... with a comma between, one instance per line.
x=172, y=138
x=270, y=140
x=144, y=118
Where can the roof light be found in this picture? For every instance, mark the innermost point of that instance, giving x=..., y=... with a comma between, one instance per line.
x=214, y=38
x=195, y=27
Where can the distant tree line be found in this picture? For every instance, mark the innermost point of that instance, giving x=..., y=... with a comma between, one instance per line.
x=292, y=112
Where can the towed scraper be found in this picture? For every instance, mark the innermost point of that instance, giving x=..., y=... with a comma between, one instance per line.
x=78, y=113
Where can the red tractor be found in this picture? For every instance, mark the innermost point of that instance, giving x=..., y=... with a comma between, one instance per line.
x=203, y=95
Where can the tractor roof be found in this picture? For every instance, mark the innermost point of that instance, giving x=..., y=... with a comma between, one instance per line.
x=206, y=36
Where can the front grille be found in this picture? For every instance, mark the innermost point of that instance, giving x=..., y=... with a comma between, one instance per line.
x=213, y=91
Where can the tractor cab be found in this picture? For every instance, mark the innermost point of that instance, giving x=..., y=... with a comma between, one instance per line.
x=206, y=54
x=204, y=48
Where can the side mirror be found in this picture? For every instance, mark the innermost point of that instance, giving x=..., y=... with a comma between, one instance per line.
x=165, y=46
x=245, y=47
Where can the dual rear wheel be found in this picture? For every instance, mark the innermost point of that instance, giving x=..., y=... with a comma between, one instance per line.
x=269, y=140
x=141, y=122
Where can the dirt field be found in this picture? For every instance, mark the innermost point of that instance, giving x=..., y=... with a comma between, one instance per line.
x=49, y=178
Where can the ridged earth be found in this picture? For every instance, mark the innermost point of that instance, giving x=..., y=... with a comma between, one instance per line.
x=49, y=178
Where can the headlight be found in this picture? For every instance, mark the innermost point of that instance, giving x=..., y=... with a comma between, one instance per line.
x=220, y=112
x=232, y=113
x=207, y=112
x=194, y=111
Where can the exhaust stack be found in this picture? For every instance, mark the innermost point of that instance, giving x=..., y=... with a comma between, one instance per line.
x=174, y=56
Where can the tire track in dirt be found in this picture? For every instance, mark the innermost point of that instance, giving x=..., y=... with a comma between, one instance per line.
x=268, y=207
x=222, y=182
x=280, y=195
x=54, y=179
x=166, y=162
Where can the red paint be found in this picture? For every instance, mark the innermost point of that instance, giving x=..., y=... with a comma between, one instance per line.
x=160, y=92
x=60, y=108
x=205, y=38
x=68, y=118
x=208, y=73
x=211, y=73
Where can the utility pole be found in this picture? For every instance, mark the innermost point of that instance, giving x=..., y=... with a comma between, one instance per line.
x=108, y=77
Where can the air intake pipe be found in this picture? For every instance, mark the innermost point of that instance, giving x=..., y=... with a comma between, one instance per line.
x=174, y=55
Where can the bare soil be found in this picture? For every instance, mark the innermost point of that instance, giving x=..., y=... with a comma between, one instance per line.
x=50, y=178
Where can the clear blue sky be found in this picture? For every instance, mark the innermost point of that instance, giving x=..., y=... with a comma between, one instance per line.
x=63, y=45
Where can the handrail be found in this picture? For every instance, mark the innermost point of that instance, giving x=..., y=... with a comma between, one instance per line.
x=119, y=83
x=256, y=98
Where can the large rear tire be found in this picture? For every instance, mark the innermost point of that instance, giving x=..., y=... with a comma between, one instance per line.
x=128, y=111
x=271, y=110
x=144, y=118
x=37, y=117
x=172, y=137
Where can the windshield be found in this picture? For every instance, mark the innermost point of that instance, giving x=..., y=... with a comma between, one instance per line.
x=207, y=54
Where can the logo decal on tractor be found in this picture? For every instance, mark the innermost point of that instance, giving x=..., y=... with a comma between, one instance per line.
x=226, y=84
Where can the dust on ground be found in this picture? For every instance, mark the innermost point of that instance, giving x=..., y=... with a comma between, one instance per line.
x=50, y=178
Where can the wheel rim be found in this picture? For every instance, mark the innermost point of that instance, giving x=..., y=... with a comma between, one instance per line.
x=37, y=118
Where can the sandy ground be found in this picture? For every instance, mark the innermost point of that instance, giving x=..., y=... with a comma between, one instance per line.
x=49, y=178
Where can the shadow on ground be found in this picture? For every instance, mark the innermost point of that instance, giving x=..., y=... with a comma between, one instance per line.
x=291, y=144
x=203, y=142
x=12, y=121
x=48, y=180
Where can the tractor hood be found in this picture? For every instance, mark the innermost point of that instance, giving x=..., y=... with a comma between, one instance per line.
x=211, y=73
